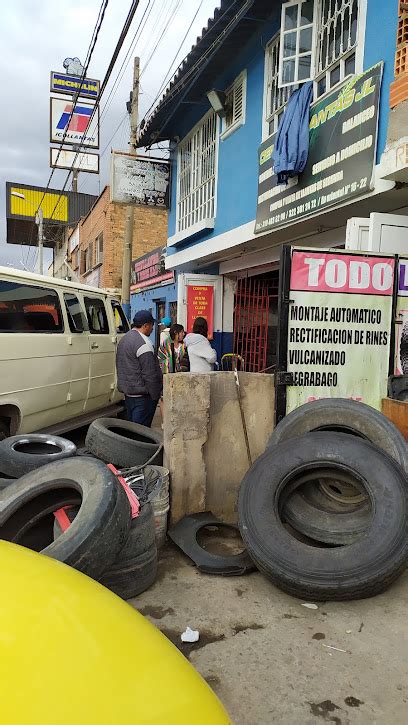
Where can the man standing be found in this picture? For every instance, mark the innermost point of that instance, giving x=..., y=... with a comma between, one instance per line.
x=139, y=374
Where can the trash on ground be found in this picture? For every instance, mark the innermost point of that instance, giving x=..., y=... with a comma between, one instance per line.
x=190, y=635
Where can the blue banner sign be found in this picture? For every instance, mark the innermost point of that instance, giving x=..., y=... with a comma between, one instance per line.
x=64, y=83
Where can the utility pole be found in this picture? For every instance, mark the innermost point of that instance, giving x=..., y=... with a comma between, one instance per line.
x=127, y=249
x=75, y=180
x=39, y=220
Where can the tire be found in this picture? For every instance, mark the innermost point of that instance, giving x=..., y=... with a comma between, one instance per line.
x=313, y=514
x=101, y=526
x=363, y=568
x=346, y=416
x=4, y=482
x=24, y=453
x=123, y=443
x=404, y=349
x=135, y=566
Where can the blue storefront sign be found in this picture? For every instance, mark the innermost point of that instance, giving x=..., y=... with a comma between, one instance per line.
x=64, y=83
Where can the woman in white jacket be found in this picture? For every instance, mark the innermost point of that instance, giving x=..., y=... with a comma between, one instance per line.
x=200, y=353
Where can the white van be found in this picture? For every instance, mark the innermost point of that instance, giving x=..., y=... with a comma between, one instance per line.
x=57, y=353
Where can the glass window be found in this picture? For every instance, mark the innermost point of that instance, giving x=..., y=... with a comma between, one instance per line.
x=76, y=317
x=96, y=314
x=297, y=33
x=27, y=308
x=121, y=322
x=336, y=39
x=99, y=249
x=196, y=171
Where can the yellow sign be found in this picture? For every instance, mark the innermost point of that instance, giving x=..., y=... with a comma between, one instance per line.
x=53, y=204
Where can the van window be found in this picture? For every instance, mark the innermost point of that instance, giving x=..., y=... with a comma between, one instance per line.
x=96, y=314
x=121, y=322
x=27, y=308
x=76, y=317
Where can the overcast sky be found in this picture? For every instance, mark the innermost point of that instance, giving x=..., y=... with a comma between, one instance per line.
x=35, y=37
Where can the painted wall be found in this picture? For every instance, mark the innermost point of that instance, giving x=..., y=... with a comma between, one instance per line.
x=238, y=154
x=146, y=300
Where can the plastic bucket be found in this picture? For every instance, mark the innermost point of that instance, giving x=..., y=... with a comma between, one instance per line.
x=160, y=502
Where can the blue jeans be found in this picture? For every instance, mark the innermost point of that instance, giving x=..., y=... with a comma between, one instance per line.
x=140, y=410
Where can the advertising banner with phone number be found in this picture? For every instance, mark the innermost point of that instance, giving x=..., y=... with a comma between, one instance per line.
x=401, y=337
x=339, y=328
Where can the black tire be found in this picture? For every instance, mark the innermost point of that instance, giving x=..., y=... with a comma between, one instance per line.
x=311, y=513
x=135, y=566
x=101, y=526
x=123, y=443
x=362, y=569
x=404, y=349
x=4, y=482
x=24, y=453
x=346, y=416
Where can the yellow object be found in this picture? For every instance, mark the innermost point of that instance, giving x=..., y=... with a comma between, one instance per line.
x=54, y=205
x=72, y=653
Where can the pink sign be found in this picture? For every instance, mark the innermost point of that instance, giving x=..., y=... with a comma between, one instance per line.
x=331, y=272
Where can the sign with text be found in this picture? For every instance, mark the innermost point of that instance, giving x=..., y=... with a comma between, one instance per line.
x=339, y=328
x=71, y=85
x=66, y=159
x=342, y=148
x=200, y=303
x=147, y=267
x=139, y=180
x=77, y=126
x=401, y=336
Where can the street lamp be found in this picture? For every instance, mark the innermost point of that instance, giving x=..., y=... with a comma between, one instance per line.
x=39, y=220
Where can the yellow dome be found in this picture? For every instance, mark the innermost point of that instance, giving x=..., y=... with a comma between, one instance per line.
x=73, y=652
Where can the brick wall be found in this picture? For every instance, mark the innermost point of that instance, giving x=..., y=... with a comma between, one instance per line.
x=399, y=88
x=149, y=232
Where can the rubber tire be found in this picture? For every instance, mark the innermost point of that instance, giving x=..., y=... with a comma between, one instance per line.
x=362, y=569
x=135, y=566
x=16, y=463
x=122, y=451
x=103, y=522
x=330, y=527
x=348, y=416
x=4, y=482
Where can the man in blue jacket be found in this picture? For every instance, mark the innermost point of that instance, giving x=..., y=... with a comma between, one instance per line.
x=139, y=375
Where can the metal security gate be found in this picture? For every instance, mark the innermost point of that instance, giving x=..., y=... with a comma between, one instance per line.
x=253, y=296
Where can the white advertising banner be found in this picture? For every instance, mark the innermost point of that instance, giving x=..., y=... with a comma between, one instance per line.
x=80, y=161
x=136, y=180
x=401, y=336
x=78, y=127
x=340, y=319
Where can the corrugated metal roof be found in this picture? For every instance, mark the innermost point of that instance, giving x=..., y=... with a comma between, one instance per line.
x=227, y=31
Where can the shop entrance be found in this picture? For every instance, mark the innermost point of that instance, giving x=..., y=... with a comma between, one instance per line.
x=256, y=321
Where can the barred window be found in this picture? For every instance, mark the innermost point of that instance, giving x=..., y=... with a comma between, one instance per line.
x=236, y=105
x=336, y=42
x=196, y=174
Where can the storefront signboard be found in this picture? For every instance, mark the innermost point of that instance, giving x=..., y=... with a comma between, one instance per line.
x=339, y=328
x=200, y=303
x=342, y=148
x=401, y=336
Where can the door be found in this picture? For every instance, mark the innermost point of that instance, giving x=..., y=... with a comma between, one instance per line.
x=209, y=304
x=79, y=352
x=102, y=347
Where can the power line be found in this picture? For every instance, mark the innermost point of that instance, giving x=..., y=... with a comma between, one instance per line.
x=108, y=73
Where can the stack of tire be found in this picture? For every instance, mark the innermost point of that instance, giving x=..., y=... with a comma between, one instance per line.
x=103, y=540
x=324, y=511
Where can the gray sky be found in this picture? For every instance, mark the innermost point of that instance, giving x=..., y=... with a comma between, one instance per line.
x=35, y=37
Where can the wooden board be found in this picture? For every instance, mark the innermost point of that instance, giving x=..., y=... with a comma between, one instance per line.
x=397, y=411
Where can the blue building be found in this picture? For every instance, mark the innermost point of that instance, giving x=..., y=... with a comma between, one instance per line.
x=228, y=218
x=154, y=288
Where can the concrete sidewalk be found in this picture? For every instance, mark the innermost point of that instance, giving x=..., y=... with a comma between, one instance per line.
x=271, y=660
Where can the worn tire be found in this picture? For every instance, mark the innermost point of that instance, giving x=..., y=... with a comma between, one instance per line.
x=314, y=517
x=135, y=566
x=123, y=443
x=4, y=482
x=22, y=454
x=103, y=522
x=347, y=416
x=362, y=569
